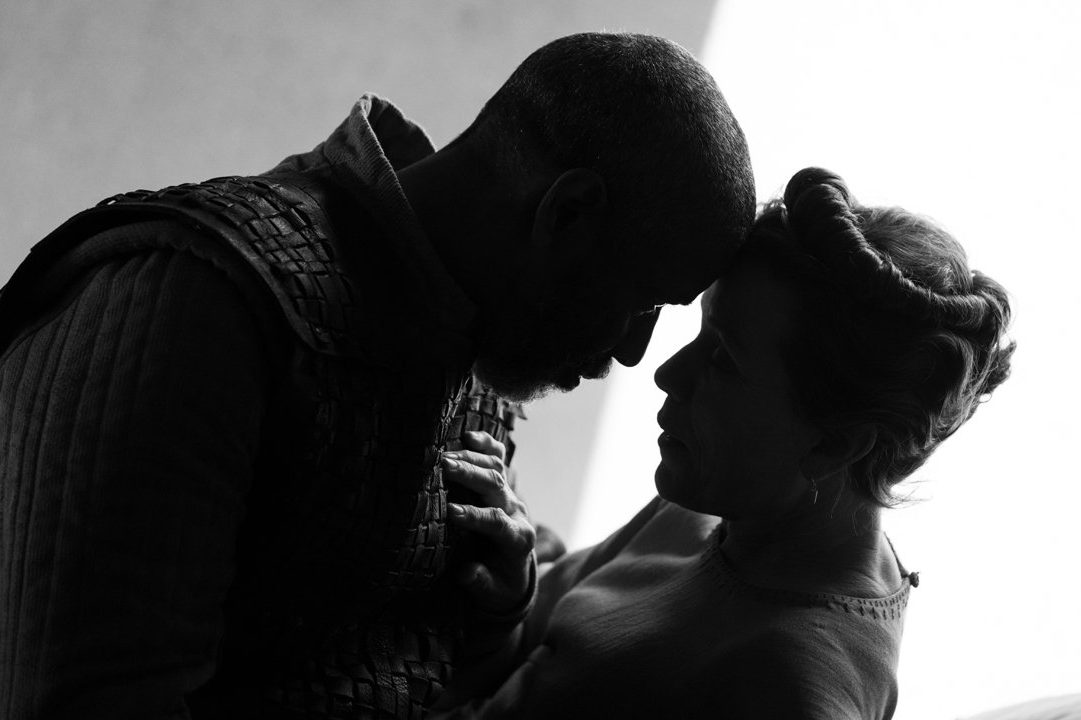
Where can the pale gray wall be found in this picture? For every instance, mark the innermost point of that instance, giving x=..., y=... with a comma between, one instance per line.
x=102, y=96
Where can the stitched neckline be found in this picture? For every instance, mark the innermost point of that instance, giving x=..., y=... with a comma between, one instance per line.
x=885, y=607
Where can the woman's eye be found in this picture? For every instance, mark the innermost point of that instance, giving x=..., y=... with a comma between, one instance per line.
x=721, y=359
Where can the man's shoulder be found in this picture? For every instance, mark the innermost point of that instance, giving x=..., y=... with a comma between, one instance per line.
x=271, y=230
x=271, y=234
x=42, y=287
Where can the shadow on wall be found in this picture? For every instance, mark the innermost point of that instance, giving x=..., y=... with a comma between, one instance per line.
x=108, y=96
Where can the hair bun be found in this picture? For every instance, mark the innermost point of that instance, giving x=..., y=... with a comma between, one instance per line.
x=825, y=220
x=821, y=214
x=817, y=183
x=894, y=330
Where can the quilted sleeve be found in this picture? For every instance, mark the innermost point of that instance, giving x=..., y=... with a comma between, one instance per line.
x=129, y=420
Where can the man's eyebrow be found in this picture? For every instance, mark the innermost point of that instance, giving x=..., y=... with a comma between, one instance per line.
x=660, y=297
x=654, y=295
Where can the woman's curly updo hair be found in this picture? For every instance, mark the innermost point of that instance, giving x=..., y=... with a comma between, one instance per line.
x=894, y=331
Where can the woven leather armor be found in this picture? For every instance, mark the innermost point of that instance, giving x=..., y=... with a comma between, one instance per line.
x=338, y=609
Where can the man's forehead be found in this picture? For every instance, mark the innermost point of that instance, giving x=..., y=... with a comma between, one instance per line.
x=676, y=289
x=648, y=293
x=679, y=273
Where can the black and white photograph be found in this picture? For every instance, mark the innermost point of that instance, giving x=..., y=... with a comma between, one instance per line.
x=499, y=360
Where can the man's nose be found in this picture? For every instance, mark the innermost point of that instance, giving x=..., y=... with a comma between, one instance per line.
x=630, y=349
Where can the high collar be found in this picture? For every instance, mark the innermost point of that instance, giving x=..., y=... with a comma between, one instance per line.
x=362, y=155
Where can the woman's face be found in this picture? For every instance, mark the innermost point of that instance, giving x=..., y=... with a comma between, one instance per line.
x=733, y=442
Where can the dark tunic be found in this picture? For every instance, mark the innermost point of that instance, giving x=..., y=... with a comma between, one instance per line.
x=219, y=487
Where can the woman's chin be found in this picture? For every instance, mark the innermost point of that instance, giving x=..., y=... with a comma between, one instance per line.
x=668, y=482
x=679, y=487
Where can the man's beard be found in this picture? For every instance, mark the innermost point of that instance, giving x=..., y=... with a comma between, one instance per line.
x=520, y=383
x=525, y=354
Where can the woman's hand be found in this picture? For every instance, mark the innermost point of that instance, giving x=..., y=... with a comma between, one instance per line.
x=498, y=579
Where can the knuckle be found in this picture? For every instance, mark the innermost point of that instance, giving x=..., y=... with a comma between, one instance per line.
x=528, y=538
x=479, y=439
x=497, y=478
x=504, y=520
x=464, y=513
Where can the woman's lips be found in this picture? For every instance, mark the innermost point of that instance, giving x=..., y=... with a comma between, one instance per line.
x=666, y=439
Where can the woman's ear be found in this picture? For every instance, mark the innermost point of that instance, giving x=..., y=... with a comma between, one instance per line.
x=839, y=450
x=571, y=213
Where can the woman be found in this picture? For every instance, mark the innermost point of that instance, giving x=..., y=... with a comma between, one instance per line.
x=843, y=346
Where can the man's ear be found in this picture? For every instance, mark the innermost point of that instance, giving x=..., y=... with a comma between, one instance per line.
x=571, y=212
x=839, y=450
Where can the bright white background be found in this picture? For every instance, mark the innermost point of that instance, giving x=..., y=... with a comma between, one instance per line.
x=967, y=112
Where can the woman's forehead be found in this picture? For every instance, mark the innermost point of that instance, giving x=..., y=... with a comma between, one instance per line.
x=750, y=298
x=709, y=295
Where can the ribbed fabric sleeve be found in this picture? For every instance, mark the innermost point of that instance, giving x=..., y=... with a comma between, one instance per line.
x=129, y=421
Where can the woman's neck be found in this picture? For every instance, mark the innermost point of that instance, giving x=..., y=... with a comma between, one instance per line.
x=820, y=549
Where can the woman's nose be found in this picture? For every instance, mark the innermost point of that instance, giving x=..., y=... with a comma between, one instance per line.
x=674, y=374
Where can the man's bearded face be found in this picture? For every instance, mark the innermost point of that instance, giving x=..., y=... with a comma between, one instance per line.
x=532, y=348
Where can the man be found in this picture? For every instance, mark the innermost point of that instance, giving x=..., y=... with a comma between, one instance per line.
x=224, y=404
